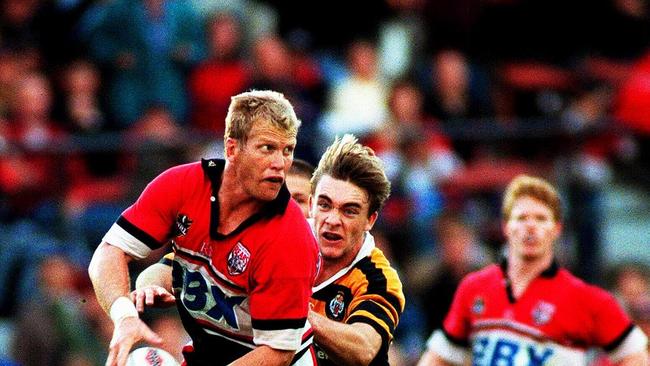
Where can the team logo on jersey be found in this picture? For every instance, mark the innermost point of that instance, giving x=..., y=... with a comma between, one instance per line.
x=238, y=259
x=183, y=224
x=478, y=306
x=543, y=312
x=337, y=306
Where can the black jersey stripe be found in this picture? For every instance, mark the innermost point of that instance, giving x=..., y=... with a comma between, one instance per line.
x=166, y=261
x=377, y=311
x=278, y=324
x=617, y=342
x=147, y=239
x=377, y=282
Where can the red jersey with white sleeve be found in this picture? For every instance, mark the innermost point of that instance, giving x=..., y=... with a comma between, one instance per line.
x=553, y=322
x=234, y=292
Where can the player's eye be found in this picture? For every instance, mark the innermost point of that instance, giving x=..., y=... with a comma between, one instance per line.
x=288, y=151
x=351, y=211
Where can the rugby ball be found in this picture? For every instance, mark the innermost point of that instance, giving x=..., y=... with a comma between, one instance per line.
x=150, y=356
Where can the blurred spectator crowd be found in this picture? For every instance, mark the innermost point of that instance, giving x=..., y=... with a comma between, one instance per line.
x=456, y=97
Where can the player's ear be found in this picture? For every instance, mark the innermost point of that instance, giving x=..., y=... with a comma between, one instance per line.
x=310, y=202
x=371, y=221
x=231, y=148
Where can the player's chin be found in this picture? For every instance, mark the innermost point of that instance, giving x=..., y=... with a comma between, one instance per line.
x=268, y=193
x=330, y=252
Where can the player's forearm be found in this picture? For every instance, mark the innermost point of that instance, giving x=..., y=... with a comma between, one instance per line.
x=157, y=274
x=109, y=273
x=636, y=359
x=345, y=344
x=265, y=356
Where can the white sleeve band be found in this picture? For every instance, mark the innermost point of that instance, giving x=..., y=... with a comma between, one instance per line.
x=121, y=238
x=450, y=352
x=635, y=342
x=122, y=308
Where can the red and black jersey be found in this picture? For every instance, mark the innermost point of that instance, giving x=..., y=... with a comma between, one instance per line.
x=552, y=323
x=234, y=292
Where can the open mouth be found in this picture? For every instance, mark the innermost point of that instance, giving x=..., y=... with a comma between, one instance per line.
x=276, y=180
x=332, y=236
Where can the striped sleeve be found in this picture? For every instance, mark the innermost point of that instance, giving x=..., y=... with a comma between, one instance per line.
x=379, y=301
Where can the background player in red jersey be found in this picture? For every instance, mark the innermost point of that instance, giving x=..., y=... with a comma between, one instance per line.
x=245, y=257
x=527, y=310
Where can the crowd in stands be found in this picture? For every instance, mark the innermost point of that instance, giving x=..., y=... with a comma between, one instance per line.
x=455, y=96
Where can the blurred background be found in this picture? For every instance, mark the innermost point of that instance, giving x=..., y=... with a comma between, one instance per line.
x=456, y=97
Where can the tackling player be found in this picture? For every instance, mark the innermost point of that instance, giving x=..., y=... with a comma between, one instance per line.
x=527, y=310
x=245, y=258
x=358, y=298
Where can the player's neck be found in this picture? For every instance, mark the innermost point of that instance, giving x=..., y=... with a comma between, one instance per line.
x=521, y=271
x=235, y=205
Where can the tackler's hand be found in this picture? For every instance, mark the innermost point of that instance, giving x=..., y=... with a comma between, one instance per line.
x=153, y=295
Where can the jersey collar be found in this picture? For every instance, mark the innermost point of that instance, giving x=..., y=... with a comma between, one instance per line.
x=213, y=168
x=549, y=272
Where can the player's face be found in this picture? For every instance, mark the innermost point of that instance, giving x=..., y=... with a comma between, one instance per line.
x=340, y=212
x=531, y=229
x=300, y=189
x=263, y=162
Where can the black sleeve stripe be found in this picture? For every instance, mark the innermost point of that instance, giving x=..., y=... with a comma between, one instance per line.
x=377, y=311
x=278, y=324
x=376, y=326
x=377, y=282
x=454, y=340
x=166, y=261
x=139, y=234
x=617, y=342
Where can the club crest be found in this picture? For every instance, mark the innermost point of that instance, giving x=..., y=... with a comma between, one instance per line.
x=478, y=306
x=183, y=223
x=238, y=259
x=543, y=313
x=337, y=306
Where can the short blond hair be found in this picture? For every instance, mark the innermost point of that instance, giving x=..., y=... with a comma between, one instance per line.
x=346, y=159
x=537, y=188
x=259, y=105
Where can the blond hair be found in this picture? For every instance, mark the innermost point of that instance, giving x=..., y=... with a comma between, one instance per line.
x=537, y=188
x=348, y=160
x=259, y=105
